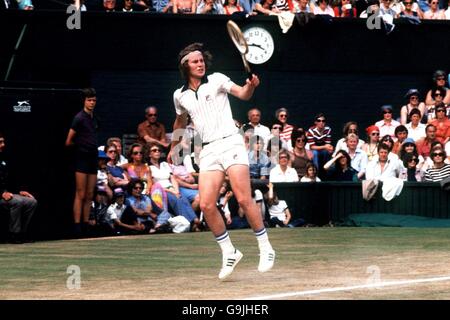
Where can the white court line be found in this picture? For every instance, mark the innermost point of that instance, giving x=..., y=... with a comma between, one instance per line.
x=337, y=289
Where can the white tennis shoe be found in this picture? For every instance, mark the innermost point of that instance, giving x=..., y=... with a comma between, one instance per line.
x=229, y=262
x=266, y=260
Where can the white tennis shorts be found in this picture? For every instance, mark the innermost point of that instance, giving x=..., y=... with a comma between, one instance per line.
x=221, y=154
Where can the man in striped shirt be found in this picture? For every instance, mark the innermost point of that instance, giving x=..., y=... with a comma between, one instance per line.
x=205, y=99
x=440, y=169
x=319, y=140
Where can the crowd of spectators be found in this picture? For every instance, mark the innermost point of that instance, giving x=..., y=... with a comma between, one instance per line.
x=420, y=9
x=415, y=147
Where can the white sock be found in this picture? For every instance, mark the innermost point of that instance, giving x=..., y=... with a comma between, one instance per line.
x=225, y=244
x=263, y=240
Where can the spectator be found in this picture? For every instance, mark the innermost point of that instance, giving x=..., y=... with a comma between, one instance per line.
x=339, y=168
x=345, y=10
x=301, y=157
x=225, y=194
x=137, y=169
x=401, y=133
x=424, y=144
x=388, y=141
x=120, y=218
x=414, y=103
x=442, y=124
x=151, y=130
x=434, y=13
x=184, y=6
x=319, y=140
x=416, y=129
x=141, y=206
x=102, y=175
x=371, y=146
x=373, y=7
x=98, y=214
x=282, y=116
x=274, y=147
x=254, y=116
x=411, y=172
x=409, y=147
x=323, y=8
x=83, y=137
x=439, y=79
x=143, y=5
x=275, y=130
x=410, y=9
x=20, y=207
x=162, y=6
x=440, y=169
x=162, y=174
x=109, y=5
x=259, y=162
x=280, y=215
x=282, y=172
x=265, y=7
x=382, y=167
x=302, y=6
x=128, y=6
x=386, y=10
x=388, y=124
x=350, y=127
x=438, y=95
x=116, y=174
x=232, y=6
x=210, y=7
x=311, y=174
x=118, y=144
x=358, y=157
x=187, y=185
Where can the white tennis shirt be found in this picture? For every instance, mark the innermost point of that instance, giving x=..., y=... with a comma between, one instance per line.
x=208, y=107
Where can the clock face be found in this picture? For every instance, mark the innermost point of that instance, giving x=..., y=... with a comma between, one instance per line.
x=260, y=45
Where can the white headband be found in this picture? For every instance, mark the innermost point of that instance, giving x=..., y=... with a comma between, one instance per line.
x=186, y=57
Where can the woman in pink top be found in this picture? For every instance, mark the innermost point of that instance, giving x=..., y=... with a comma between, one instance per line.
x=282, y=115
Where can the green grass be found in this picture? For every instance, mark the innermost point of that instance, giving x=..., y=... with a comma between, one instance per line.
x=142, y=267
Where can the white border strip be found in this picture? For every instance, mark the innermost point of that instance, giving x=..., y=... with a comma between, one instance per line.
x=337, y=289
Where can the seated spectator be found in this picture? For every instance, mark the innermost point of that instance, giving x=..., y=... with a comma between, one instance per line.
x=184, y=6
x=339, y=168
x=163, y=6
x=98, y=214
x=434, y=13
x=411, y=172
x=248, y=131
x=388, y=124
x=438, y=95
x=121, y=159
x=302, y=6
x=319, y=141
x=116, y=174
x=232, y=6
x=274, y=147
x=311, y=174
x=275, y=130
x=20, y=207
x=349, y=127
x=137, y=169
x=265, y=7
x=280, y=215
x=401, y=133
x=409, y=8
x=120, y=218
x=439, y=79
x=300, y=156
x=440, y=169
x=210, y=7
x=382, y=167
x=409, y=147
x=225, y=194
x=282, y=172
x=414, y=103
x=102, y=175
x=151, y=130
x=187, y=185
x=373, y=7
x=345, y=10
x=128, y=6
x=109, y=5
x=442, y=124
x=358, y=156
x=371, y=146
x=285, y=135
x=385, y=9
x=162, y=174
x=416, y=129
x=424, y=144
x=141, y=207
x=259, y=162
x=389, y=142
x=323, y=8
x=191, y=161
x=254, y=117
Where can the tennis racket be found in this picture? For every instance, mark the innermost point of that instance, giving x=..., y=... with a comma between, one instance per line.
x=238, y=39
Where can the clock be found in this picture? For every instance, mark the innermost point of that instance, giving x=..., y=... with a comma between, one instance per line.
x=260, y=45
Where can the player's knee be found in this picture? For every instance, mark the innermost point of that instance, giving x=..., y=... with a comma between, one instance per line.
x=245, y=203
x=206, y=206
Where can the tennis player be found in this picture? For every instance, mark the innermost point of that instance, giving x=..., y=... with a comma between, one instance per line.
x=205, y=99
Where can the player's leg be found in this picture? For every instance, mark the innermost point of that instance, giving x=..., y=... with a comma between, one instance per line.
x=240, y=183
x=209, y=186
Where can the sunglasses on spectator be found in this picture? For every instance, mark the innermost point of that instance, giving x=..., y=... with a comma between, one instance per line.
x=152, y=115
x=300, y=140
x=407, y=3
x=137, y=188
x=112, y=151
x=413, y=159
x=437, y=154
x=440, y=110
x=320, y=120
x=414, y=97
x=276, y=128
x=434, y=2
x=352, y=130
x=155, y=150
x=387, y=111
x=137, y=152
x=440, y=78
x=283, y=157
x=375, y=134
x=282, y=115
x=438, y=94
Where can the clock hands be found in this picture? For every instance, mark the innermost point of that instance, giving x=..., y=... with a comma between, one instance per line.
x=257, y=45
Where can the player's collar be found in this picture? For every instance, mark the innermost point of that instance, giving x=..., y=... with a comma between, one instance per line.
x=202, y=81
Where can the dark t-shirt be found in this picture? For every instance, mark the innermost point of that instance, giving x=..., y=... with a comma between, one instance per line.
x=85, y=127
